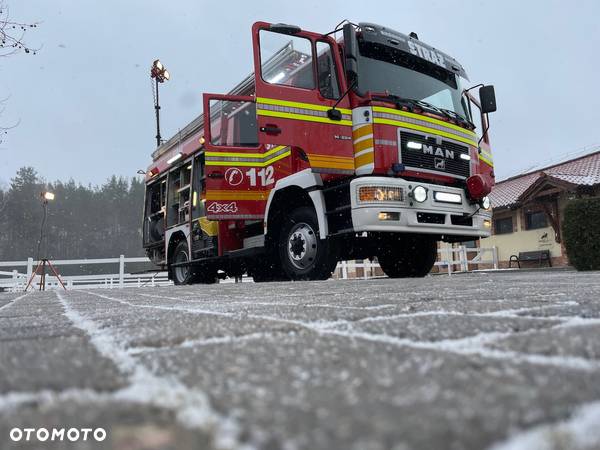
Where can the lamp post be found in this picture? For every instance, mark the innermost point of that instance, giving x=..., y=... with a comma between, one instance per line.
x=45, y=197
x=160, y=74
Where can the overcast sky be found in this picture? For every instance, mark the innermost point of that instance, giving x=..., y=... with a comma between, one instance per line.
x=85, y=101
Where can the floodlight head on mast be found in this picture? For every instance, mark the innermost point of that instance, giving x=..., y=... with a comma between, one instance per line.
x=159, y=72
x=47, y=196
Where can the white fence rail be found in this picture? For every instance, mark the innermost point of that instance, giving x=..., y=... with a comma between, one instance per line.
x=450, y=260
x=16, y=281
x=451, y=257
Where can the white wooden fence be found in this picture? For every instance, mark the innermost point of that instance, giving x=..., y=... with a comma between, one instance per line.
x=450, y=260
x=450, y=257
x=16, y=281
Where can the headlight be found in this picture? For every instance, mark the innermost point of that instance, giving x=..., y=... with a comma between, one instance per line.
x=486, y=203
x=380, y=194
x=419, y=194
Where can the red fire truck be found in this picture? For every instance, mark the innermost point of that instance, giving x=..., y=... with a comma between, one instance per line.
x=354, y=147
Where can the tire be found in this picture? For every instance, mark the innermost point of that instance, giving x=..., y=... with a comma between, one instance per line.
x=181, y=274
x=407, y=256
x=303, y=255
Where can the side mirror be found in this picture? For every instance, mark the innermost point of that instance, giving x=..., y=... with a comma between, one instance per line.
x=487, y=97
x=350, y=52
x=334, y=114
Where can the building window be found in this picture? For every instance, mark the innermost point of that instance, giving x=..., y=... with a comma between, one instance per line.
x=503, y=225
x=535, y=220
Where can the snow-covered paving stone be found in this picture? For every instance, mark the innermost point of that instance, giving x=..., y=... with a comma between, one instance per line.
x=439, y=325
x=468, y=361
x=582, y=341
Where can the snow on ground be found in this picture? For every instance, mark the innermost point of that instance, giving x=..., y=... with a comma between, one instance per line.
x=487, y=360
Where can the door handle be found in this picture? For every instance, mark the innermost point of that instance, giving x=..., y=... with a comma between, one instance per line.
x=271, y=129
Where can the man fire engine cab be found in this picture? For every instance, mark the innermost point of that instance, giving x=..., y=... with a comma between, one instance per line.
x=358, y=147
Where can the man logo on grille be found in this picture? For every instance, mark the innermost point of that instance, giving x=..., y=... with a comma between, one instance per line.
x=440, y=163
x=438, y=151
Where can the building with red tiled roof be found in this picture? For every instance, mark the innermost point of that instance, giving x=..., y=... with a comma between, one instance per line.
x=528, y=207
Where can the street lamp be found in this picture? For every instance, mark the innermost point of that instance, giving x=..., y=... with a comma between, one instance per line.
x=160, y=75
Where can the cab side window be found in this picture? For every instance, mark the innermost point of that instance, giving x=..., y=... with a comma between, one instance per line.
x=328, y=83
x=233, y=123
x=286, y=60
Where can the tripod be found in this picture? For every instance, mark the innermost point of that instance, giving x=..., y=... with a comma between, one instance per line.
x=43, y=262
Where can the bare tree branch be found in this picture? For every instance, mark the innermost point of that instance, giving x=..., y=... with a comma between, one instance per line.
x=12, y=41
x=4, y=129
x=12, y=34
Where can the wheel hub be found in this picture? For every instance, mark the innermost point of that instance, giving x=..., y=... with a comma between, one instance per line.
x=302, y=245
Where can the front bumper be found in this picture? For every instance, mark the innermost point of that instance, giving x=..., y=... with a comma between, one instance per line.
x=429, y=217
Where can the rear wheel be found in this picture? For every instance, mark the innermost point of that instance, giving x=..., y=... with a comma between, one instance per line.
x=303, y=255
x=180, y=273
x=185, y=274
x=407, y=256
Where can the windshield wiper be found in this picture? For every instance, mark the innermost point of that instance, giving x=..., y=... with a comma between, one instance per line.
x=410, y=103
x=400, y=102
x=458, y=117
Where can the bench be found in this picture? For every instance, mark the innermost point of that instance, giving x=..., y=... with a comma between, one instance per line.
x=538, y=255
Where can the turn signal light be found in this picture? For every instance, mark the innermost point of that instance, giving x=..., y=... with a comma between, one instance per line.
x=389, y=215
x=380, y=194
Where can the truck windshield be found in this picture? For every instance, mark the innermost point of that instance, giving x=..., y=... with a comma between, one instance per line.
x=385, y=69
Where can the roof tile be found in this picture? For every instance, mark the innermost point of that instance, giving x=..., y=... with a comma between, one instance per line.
x=582, y=171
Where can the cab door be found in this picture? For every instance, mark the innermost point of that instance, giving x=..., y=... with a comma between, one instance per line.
x=237, y=185
x=298, y=80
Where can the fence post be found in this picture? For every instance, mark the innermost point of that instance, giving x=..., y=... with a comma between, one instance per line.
x=495, y=257
x=464, y=262
x=29, y=268
x=121, y=270
x=15, y=278
x=449, y=259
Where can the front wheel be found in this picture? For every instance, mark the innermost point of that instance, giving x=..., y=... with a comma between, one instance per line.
x=303, y=255
x=407, y=256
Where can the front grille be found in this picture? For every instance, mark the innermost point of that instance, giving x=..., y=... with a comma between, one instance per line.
x=422, y=159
